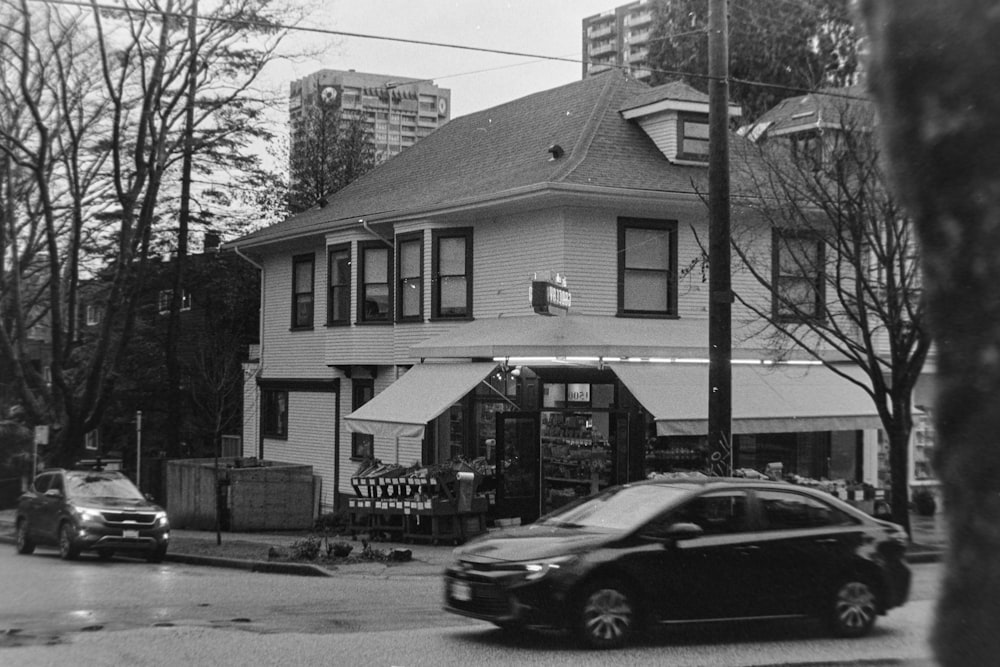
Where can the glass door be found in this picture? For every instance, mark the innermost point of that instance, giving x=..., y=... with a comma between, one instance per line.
x=579, y=454
x=517, y=466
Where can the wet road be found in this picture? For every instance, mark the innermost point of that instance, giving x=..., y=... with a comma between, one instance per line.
x=131, y=612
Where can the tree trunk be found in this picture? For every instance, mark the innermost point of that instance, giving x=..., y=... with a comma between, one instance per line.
x=934, y=69
x=899, y=464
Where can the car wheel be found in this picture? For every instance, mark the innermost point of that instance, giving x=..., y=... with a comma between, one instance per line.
x=607, y=615
x=157, y=555
x=854, y=607
x=105, y=554
x=24, y=543
x=68, y=549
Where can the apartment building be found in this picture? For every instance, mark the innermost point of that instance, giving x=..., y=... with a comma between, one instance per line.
x=619, y=37
x=399, y=111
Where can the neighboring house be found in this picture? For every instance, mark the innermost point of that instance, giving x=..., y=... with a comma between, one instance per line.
x=813, y=126
x=218, y=324
x=396, y=320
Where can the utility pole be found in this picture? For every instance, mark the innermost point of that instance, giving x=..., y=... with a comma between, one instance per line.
x=175, y=409
x=720, y=310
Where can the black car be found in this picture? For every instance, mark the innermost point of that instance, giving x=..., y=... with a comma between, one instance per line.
x=669, y=551
x=102, y=511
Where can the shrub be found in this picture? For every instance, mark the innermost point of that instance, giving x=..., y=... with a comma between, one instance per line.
x=306, y=549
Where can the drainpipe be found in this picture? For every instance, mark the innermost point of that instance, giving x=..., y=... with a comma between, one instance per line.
x=260, y=339
x=364, y=223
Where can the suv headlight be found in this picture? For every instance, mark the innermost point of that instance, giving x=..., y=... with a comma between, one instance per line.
x=161, y=520
x=541, y=568
x=86, y=514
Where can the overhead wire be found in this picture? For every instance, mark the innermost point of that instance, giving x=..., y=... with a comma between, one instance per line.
x=272, y=25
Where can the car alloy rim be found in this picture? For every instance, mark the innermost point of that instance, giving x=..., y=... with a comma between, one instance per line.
x=855, y=605
x=22, y=535
x=607, y=615
x=64, y=542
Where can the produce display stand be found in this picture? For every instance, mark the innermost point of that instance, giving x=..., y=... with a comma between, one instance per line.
x=437, y=504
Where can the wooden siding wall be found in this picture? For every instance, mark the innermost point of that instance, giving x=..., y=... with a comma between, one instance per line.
x=662, y=129
x=286, y=353
x=251, y=410
x=311, y=429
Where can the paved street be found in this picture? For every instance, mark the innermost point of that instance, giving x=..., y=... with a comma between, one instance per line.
x=130, y=612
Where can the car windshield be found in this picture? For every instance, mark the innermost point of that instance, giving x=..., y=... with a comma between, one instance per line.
x=623, y=508
x=100, y=485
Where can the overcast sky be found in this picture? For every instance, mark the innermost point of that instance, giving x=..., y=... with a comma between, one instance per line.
x=477, y=80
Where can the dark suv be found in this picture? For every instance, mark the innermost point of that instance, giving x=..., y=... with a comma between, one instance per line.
x=677, y=551
x=96, y=510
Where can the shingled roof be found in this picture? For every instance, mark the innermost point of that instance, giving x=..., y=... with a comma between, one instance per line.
x=826, y=108
x=501, y=152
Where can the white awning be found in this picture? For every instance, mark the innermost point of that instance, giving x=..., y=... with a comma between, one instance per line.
x=765, y=399
x=421, y=394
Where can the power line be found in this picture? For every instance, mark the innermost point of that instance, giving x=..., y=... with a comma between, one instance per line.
x=271, y=25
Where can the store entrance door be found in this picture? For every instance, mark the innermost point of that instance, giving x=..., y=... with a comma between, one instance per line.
x=517, y=465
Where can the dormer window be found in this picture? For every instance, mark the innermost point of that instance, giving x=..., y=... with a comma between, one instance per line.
x=693, y=134
x=675, y=117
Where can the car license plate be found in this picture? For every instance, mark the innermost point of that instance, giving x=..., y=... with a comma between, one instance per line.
x=130, y=534
x=461, y=591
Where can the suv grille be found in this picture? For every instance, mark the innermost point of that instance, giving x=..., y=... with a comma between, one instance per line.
x=142, y=518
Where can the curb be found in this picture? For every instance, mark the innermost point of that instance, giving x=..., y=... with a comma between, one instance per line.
x=309, y=570
x=301, y=569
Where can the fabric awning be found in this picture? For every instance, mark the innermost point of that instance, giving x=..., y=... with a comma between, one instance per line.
x=766, y=399
x=421, y=394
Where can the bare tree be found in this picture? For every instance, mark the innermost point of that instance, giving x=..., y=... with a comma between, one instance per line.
x=103, y=93
x=844, y=279
x=934, y=68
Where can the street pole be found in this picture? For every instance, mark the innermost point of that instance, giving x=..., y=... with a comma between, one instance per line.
x=720, y=374
x=138, y=449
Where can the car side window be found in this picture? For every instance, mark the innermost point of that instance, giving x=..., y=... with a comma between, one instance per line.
x=42, y=483
x=785, y=510
x=715, y=513
x=57, y=484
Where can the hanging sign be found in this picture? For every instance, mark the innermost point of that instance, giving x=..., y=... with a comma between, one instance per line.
x=548, y=294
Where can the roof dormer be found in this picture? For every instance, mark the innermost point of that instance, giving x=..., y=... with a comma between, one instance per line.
x=675, y=117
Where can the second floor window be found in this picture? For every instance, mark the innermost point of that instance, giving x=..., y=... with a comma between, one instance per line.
x=452, y=296
x=374, y=282
x=693, y=138
x=302, y=291
x=798, y=275
x=647, y=267
x=410, y=269
x=94, y=315
x=163, y=302
x=339, y=297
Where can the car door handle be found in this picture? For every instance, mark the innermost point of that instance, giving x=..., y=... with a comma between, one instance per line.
x=827, y=540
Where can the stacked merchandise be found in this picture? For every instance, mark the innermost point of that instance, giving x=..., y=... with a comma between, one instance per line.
x=436, y=502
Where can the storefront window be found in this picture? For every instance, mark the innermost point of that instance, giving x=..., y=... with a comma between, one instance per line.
x=577, y=456
x=923, y=448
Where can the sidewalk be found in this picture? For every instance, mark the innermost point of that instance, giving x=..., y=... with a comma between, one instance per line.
x=928, y=545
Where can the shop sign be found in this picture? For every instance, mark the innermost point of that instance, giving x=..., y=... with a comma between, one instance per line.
x=549, y=295
x=578, y=393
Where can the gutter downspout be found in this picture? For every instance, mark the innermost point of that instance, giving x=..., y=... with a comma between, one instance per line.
x=367, y=227
x=260, y=345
